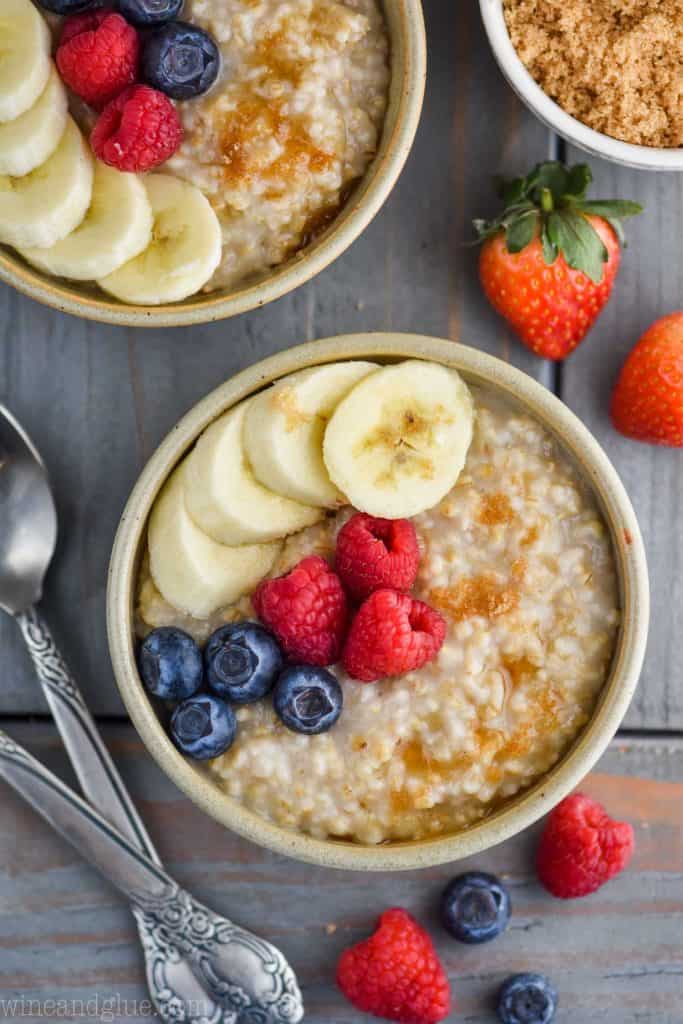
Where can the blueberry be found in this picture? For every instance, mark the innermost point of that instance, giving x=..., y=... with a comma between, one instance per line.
x=203, y=726
x=475, y=907
x=242, y=661
x=144, y=13
x=170, y=664
x=68, y=6
x=527, y=999
x=180, y=60
x=308, y=699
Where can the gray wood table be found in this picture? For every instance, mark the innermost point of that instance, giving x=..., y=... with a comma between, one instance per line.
x=99, y=399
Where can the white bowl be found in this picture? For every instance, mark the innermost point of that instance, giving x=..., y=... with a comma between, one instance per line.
x=550, y=113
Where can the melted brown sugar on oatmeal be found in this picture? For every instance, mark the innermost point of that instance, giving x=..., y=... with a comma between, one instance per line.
x=245, y=139
x=495, y=509
x=482, y=595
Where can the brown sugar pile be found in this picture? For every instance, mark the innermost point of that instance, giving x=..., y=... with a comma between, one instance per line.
x=616, y=65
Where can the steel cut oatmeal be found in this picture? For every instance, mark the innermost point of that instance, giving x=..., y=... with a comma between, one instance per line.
x=519, y=562
x=293, y=122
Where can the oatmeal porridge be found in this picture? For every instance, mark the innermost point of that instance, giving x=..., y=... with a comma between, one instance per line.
x=292, y=123
x=160, y=156
x=519, y=563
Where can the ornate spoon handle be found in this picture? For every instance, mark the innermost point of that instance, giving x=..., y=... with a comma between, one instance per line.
x=116, y=856
x=96, y=772
x=243, y=973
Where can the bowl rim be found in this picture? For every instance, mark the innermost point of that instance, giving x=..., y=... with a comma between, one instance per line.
x=409, y=68
x=521, y=811
x=596, y=143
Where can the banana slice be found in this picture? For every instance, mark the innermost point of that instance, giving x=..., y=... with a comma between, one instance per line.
x=397, y=443
x=31, y=138
x=24, y=57
x=184, y=251
x=224, y=497
x=284, y=428
x=46, y=205
x=190, y=570
x=116, y=228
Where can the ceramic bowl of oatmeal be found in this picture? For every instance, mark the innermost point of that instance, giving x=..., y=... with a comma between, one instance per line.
x=296, y=146
x=533, y=559
x=604, y=76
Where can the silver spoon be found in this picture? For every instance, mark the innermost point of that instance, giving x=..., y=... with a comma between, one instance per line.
x=28, y=533
x=200, y=966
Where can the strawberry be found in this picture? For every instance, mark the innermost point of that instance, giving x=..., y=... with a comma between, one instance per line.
x=549, y=260
x=647, y=403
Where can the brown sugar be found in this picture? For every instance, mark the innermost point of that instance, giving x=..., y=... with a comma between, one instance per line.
x=243, y=141
x=519, y=669
x=495, y=509
x=480, y=595
x=285, y=402
x=616, y=65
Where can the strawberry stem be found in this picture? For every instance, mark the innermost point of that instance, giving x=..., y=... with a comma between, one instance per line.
x=551, y=204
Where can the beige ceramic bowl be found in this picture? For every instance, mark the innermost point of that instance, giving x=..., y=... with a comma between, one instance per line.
x=408, y=71
x=477, y=368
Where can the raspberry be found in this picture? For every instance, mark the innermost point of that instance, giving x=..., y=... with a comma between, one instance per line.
x=374, y=553
x=137, y=131
x=391, y=634
x=396, y=973
x=306, y=610
x=98, y=55
x=582, y=848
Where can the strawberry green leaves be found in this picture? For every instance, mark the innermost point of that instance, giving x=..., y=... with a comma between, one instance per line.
x=551, y=203
x=521, y=231
x=572, y=235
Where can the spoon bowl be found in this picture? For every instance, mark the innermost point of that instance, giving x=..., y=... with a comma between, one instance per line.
x=28, y=518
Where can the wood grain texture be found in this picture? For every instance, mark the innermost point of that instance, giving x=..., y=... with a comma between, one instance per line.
x=650, y=284
x=616, y=957
x=98, y=399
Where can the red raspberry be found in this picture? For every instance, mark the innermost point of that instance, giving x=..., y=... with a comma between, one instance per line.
x=390, y=635
x=582, y=848
x=396, y=973
x=374, y=553
x=98, y=55
x=306, y=610
x=138, y=130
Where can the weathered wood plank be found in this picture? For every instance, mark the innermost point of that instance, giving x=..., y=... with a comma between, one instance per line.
x=616, y=956
x=99, y=399
x=493, y=134
x=650, y=284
